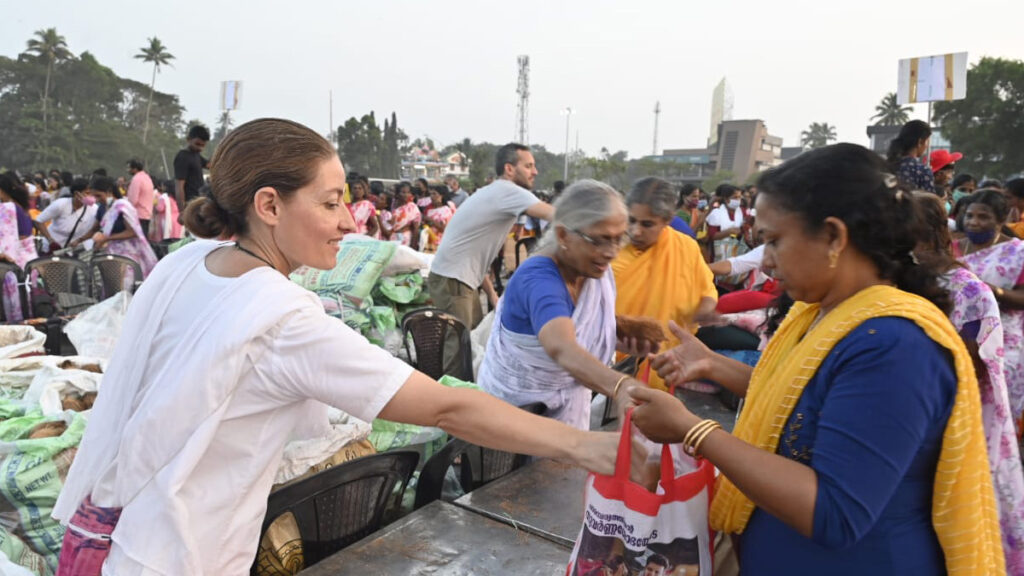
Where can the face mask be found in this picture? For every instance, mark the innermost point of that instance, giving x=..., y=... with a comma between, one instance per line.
x=702, y=204
x=948, y=207
x=980, y=238
x=959, y=195
x=734, y=204
x=88, y=200
x=692, y=203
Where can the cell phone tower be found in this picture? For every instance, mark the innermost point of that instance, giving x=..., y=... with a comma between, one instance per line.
x=523, y=107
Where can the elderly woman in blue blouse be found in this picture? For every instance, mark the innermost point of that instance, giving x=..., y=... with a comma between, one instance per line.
x=554, y=331
x=861, y=448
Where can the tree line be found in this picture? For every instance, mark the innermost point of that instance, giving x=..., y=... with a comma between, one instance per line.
x=59, y=110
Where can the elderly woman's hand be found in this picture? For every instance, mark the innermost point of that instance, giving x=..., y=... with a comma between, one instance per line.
x=661, y=416
x=689, y=361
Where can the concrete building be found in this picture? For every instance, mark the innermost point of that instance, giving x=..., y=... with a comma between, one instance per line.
x=743, y=147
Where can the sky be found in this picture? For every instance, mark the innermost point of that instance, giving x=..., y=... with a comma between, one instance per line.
x=448, y=69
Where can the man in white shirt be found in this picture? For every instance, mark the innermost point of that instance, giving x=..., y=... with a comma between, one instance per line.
x=476, y=233
x=458, y=194
x=69, y=218
x=140, y=193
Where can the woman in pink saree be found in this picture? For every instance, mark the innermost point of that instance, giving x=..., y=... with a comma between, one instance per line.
x=364, y=213
x=14, y=249
x=407, y=219
x=165, y=223
x=438, y=214
x=977, y=319
x=120, y=232
x=998, y=260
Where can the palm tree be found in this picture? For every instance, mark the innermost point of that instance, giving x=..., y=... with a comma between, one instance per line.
x=53, y=48
x=818, y=135
x=890, y=112
x=156, y=53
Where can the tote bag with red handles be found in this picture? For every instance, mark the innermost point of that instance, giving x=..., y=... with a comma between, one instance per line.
x=624, y=524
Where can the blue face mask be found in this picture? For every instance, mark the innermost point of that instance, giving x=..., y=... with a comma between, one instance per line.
x=959, y=195
x=702, y=204
x=981, y=238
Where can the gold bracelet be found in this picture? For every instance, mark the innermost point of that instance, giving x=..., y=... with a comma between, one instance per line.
x=694, y=432
x=999, y=292
x=696, y=429
x=615, y=391
x=699, y=441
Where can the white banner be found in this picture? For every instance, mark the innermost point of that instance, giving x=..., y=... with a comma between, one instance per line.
x=932, y=78
x=230, y=94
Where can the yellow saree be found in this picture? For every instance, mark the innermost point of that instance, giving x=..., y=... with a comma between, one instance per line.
x=963, y=506
x=665, y=282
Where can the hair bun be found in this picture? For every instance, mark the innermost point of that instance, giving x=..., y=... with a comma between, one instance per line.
x=207, y=219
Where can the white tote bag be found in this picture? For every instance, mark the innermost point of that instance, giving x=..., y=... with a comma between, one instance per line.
x=625, y=525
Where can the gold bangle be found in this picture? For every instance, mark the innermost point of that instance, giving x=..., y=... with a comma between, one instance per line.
x=615, y=391
x=695, y=431
x=697, y=443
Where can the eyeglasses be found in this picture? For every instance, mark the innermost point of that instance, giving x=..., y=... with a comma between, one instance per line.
x=602, y=243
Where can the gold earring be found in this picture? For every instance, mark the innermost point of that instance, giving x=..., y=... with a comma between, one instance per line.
x=833, y=259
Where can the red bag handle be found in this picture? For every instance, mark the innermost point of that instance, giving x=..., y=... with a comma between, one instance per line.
x=625, y=455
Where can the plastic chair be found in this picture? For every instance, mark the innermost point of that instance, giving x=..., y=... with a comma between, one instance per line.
x=429, y=328
x=19, y=277
x=62, y=275
x=162, y=247
x=342, y=504
x=110, y=275
x=530, y=243
x=478, y=465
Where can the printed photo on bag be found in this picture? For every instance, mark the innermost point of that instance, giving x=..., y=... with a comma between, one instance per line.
x=603, y=555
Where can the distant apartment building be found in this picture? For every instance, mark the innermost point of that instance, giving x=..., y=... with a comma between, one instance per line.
x=432, y=165
x=743, y=147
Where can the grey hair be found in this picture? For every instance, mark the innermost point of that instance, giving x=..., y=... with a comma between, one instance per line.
x=657, y=194
x=582, y=205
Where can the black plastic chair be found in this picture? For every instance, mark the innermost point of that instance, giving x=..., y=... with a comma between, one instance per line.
x=68, y=280
x=110, y=275
x=530, y=243
x=162, y=248
x=19, y=277
x=478, y=465
x=429, y=328
x=343, y=504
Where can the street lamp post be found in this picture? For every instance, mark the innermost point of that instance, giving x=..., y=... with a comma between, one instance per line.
x=568, y=112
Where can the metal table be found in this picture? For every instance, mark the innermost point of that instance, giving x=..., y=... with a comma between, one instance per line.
x=441, y=539
x=544, y=498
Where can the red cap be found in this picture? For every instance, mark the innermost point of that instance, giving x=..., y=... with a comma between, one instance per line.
x=942, y=158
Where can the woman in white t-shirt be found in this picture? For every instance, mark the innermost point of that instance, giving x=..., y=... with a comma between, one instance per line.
x=725, y=226
x=222, y=360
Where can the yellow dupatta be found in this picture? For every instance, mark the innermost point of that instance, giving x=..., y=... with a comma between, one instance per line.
x=963, y=504
x=665, y=282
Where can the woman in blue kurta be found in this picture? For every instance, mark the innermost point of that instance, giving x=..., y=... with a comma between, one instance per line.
x=860, y=449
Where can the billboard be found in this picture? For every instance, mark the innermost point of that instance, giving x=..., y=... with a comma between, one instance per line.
x=230, y=94
x=932, y=78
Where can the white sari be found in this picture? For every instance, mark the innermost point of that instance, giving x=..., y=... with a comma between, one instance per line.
x=518, y=370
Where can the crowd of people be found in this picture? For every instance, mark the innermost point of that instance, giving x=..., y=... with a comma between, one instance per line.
x=882, y=402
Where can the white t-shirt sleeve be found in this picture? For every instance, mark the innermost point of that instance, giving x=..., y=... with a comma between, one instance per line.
x=748, y=262
x=54, y=210
x=516, y=200
x=317, y=356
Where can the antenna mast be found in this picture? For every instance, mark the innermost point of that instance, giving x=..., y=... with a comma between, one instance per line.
x=523, y=107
